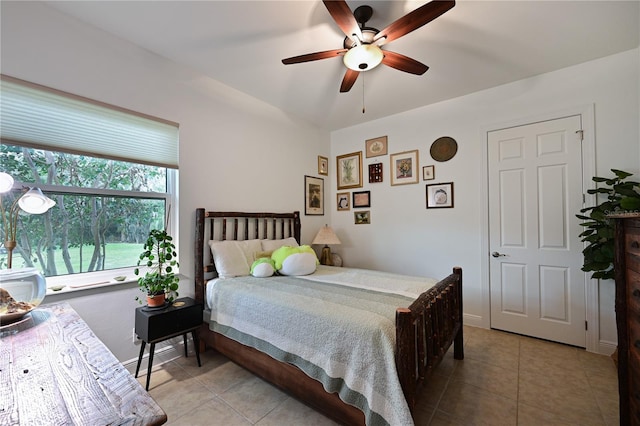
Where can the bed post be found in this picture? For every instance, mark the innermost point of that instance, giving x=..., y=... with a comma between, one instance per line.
x=296, y=226
x=198, y=257
x=458, y=344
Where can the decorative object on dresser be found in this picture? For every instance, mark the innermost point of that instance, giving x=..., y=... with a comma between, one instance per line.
x=313, y=196
x=349, y=170
x=56, y=371
x=159, y=282
x=326, y=236
x=404, y=167
x=424, y=328
x=33, y=201
x=179, y=318
x=627, y=277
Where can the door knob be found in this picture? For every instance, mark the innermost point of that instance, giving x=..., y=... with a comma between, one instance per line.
x=496, y=254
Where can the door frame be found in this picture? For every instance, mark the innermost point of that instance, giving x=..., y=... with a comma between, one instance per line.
x=587, y=113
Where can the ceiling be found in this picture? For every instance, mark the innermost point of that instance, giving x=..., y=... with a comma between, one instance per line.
x=474, y=46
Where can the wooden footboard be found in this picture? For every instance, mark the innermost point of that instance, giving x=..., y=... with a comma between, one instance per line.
x=425, y=331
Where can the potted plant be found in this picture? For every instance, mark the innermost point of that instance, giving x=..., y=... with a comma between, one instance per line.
x=159, y=281
x=621, y=196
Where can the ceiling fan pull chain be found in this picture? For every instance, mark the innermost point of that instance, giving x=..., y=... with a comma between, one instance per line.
x=362, y=93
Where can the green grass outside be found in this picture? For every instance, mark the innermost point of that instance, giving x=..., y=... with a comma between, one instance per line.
x=118, y=255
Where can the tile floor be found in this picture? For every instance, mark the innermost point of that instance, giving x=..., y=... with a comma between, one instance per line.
x=505, y=379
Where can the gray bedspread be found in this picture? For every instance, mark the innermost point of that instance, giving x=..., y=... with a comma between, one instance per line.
x=340, y=335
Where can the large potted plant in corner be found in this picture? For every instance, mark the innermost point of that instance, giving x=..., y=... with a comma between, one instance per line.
x=159, y=282
x=621, y=196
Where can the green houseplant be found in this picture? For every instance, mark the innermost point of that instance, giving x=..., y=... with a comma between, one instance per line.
x=159, y=281
x=622, y=196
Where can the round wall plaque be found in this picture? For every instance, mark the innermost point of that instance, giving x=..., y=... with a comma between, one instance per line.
x=444, y=148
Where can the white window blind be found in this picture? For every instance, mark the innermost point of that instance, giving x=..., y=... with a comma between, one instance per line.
x=45, y=118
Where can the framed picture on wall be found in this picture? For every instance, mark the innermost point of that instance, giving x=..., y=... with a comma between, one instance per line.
x=362, y=218
x=349, y=170
x=404, y=167
x=323, y=165
x=375, y=147
x=428, y=173
x=440, y=195
x=342, y=201
x=313, y=195
x=361, y=199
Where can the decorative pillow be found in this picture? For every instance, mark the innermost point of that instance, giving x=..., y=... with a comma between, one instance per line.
x=260, y=254
x=271, y=245
x=263, y=267
x=233, y=258
x=300, y=260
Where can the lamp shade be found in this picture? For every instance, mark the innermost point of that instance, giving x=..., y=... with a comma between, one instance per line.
x=6, y=182
x=326, y=236
x=363, y=57
x=35, y=202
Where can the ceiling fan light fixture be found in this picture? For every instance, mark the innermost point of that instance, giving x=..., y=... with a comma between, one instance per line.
x=363, y=57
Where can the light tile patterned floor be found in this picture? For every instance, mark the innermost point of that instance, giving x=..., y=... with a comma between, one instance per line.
x=505, y=379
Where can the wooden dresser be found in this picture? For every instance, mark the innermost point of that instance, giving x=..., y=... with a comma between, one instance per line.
x=627, y=275
x=54, y=370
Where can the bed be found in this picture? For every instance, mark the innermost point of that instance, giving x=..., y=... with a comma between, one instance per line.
x=420, y=327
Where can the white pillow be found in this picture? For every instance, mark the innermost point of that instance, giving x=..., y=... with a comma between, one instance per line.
x=299, y=264
x=234, y=258
x=272, y=245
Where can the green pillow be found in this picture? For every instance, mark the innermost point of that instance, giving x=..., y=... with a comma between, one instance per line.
x=279, y=255
x=263, y=267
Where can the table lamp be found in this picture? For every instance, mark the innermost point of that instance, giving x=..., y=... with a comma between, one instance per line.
x=326, y=236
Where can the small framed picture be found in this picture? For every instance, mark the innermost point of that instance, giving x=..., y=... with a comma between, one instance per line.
x=375, y=173
x=428, y=173
x=362, y=218
x=375, y=147
x=313, y=196
x=349, y=170
x=342, y=201
x=361, y=199
x=404, y=167
x=323, y=165
x=440, y=195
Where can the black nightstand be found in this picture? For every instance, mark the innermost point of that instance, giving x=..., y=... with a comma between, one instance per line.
x=184, y=315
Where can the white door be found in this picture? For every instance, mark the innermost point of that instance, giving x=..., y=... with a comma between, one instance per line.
x=535, y=190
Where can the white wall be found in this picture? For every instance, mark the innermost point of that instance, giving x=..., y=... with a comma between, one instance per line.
x=236, y=153
x=406, y=237
x=229, y=144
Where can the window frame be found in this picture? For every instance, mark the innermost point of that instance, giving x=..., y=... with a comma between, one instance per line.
x=104, y=278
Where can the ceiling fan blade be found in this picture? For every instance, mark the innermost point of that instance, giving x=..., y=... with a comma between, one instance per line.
x=340, y=12
x=413, y=20
x=403, y=63
x=349, y=79
x=314, y=56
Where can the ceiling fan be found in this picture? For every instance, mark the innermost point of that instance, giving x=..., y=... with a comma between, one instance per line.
x=361, y=48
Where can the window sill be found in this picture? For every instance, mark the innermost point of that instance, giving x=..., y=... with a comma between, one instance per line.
x=79, y=282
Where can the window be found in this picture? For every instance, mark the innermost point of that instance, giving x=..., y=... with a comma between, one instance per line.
x=106, y=203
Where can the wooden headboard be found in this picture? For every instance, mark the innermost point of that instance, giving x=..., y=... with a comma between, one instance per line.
x=236, y=226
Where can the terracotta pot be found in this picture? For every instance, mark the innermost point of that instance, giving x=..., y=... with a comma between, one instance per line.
x=154, y=300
